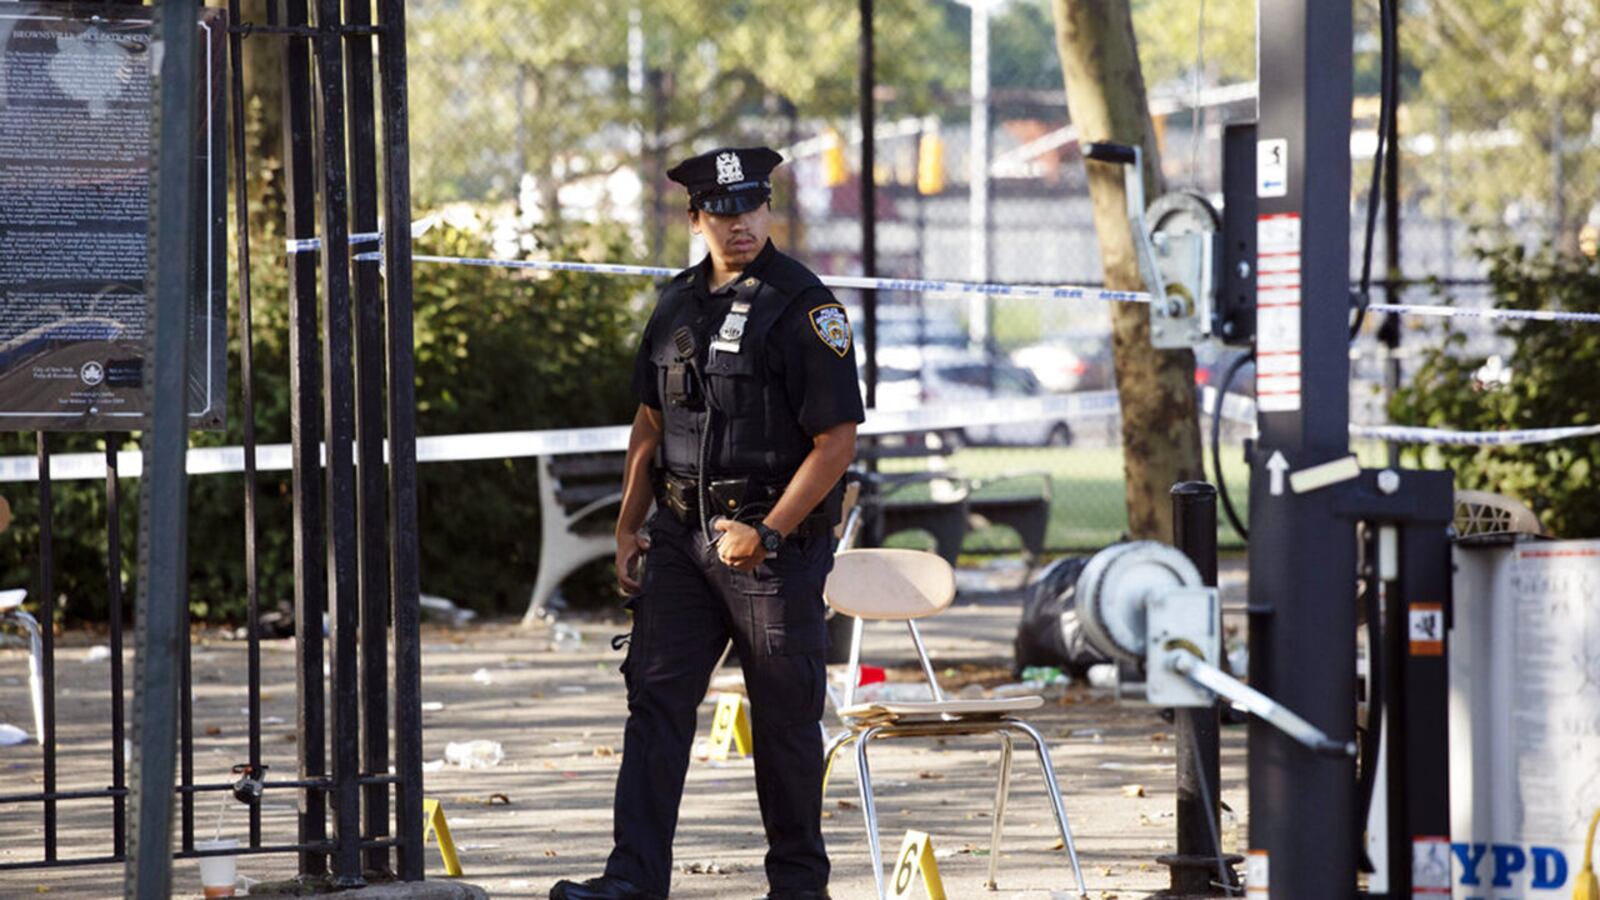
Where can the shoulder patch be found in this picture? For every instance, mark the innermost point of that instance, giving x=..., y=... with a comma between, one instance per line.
x=830, y=324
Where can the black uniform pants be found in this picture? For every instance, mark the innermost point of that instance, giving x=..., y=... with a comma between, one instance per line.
x=690, y=605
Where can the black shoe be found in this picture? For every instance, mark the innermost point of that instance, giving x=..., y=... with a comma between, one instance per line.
x=606, y=887
x=798, y=895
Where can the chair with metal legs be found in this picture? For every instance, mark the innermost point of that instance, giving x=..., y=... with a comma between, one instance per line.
x=907, y=585
x=11, y=611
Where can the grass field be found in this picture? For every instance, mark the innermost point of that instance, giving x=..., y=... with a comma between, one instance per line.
x=1089, y=508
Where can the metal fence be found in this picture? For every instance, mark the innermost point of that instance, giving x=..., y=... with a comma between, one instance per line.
x=541, y=132
x=355, y=765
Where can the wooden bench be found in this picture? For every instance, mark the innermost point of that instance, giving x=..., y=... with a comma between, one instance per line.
x=574, y=489
x=951, y=504
x=1019, y=502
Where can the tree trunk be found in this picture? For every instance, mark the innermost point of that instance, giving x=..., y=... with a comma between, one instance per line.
x=1106, y=99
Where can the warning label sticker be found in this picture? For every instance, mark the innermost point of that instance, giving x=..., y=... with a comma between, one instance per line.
x=1272, y=168
x=1427, y=629
x=1256, y=874
x=1430, y=866
x=1278, y=312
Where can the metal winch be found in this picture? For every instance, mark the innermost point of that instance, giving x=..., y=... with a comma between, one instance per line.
x=1143, y=604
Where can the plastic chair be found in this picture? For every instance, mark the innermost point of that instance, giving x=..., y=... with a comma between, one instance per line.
x=904, y=586
x=11, y=611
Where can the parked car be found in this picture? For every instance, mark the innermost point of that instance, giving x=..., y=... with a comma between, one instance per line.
x=1211, y=364
x=905, y=331
x=967, y=378
x=1074, y=362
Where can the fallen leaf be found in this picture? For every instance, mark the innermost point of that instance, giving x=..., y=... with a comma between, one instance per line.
x=603, y=750
x=931, y=776
x=213, y=730
x=549, y=852
x=846, y=804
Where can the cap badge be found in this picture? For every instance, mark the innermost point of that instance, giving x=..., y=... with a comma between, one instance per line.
x=729, y=170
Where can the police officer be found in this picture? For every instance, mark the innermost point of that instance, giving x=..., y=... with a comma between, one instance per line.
x=747, y=422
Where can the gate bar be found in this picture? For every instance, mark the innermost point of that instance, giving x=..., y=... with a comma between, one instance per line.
x=403, y=577
x=306, y=437
x=241, y=202
x=371, y=495
x=47, y=597
x=339, y=425
x=119, y=817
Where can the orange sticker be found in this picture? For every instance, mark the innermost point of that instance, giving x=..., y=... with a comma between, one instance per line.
x=1427, y=629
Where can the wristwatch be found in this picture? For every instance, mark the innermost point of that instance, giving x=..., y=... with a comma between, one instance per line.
x=771, y=540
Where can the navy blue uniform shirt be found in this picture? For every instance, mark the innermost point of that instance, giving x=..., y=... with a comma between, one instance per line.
x=819, y=380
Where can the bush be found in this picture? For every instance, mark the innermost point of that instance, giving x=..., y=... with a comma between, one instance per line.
x=496, y=350
x=1550, y=382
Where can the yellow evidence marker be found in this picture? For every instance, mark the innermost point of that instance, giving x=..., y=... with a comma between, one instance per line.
x=730, y=725
x=1585, y=886
x=433, y=816
x=916, y=856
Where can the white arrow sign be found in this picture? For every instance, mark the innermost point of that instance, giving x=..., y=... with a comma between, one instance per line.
x=1277, y=465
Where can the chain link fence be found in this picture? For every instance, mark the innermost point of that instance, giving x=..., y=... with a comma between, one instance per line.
x=546, y=117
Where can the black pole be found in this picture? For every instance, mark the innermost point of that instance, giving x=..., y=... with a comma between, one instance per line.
x=241, y=205
x=403, y=574
x=305, y=436
x=1195, y=865
x=163, y=563
x=1302, y=555
x=47, y=607
x=371, y=491
x=869, y=200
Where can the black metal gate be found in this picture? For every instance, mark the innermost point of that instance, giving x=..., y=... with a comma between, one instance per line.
x=351, y=373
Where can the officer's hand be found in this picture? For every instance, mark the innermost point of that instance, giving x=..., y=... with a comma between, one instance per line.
x=740, y=545
x=629, y=548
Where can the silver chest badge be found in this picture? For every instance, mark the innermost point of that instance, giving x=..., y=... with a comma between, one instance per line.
x=731, y=333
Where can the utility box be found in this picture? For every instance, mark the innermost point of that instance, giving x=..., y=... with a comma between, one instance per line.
x=1524, y=717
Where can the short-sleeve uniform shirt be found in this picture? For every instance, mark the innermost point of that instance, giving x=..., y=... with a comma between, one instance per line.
x=809, y=350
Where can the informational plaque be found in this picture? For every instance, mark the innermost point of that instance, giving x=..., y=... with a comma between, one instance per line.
x=76, y=111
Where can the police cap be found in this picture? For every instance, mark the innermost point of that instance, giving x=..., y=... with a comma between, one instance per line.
x=728, y=180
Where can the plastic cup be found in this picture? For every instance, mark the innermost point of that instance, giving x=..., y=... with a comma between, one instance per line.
x=217, y=873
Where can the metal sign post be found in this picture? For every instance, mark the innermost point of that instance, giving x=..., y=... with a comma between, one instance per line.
x=1303, y=806
x=163, y=573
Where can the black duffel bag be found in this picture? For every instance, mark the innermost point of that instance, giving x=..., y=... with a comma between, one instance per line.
x=1050, y=633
